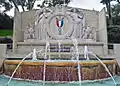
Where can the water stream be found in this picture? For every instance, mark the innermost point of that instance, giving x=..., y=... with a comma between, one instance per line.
x=34, y=55
x=86, y=53
x=18, y=67
x=47, y=49
x=104, y=67
x=59, y=48
x=75, y=43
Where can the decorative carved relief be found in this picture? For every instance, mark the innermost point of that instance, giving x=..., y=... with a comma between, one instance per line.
x=59, y=23
x=29, y=32
x=88, y=33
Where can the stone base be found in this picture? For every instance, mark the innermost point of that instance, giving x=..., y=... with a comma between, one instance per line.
x=59, y=71
x=26, y=47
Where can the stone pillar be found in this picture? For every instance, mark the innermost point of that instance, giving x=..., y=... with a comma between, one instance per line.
x=116, y=50
x=3, y=48
x=16, y=29
x=102, y=31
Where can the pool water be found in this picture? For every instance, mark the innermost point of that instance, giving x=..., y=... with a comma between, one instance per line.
x=108, y=82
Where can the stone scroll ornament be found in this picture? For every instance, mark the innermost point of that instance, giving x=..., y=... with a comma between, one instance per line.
x=59, y=23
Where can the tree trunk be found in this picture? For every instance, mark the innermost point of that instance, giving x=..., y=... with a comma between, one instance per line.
x=15, y=5
x=108, y=5
x=21, y=5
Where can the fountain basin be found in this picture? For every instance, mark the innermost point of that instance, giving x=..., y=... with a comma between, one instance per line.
x=60, y=70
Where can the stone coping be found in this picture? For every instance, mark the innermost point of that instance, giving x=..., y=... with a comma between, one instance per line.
x=59, y=63
x=65, y=42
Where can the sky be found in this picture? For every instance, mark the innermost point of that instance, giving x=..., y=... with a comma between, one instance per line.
x=85, y=4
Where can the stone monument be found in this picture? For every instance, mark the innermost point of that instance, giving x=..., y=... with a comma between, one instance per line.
x=34, y=28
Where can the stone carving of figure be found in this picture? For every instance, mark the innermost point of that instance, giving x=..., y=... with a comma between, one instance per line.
x=29, y=32
x=44, y=13
x=40, y=24
x=88, y=34
x=78, y=19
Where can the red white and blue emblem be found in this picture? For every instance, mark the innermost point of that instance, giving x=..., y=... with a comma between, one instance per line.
x=59, y=24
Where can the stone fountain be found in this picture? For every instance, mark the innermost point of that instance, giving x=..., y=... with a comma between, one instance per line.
x=52, y=30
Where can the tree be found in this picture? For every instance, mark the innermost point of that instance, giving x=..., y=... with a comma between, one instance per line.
x=114, y=35
x=114, y=30
x=8, y=4
x=29, y=4
x=6, y=22
x=109, y=11
x=54, y=2
x=108, y=6
x=116, y=14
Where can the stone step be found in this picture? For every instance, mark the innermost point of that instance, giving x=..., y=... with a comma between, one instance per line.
x=61, y=50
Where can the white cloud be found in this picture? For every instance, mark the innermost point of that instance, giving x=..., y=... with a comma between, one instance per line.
x=87, y=4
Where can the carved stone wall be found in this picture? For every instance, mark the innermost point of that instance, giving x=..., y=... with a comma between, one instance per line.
x=44, y=23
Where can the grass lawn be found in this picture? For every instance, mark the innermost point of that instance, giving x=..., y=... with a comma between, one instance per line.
x=6, y=32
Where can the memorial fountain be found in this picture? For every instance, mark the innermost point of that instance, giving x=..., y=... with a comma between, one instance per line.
x=60, y=42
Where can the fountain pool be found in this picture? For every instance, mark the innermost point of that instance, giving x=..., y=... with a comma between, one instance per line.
x=60, y=70
x=107, y=82
x=61, y=36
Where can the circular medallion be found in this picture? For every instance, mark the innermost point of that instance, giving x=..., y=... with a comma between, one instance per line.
x=60, y=26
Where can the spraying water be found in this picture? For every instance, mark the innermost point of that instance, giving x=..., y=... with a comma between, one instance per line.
x=44, y=71
x=75, y=43
x=59, y=48
x=34, y=55
x=104, y=67
x=72, y=53
x=47, y=48
x=86, y=53
x=18, y=67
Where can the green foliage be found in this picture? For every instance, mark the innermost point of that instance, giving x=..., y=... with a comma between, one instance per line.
x=116, y=14
x=8, y=4
x=114, y=35
x=113, y=20
x=6, y=33
x=29, y=4
x=5, y=21
x=109, y=11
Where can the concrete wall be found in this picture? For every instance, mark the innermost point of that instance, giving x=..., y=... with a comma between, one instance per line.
x=116, y=50
x=91, y=19
x=17, y=34
x=20, y=22
x=3, y=48
x=25, y=18
x=95, y=19
x=102, y=30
